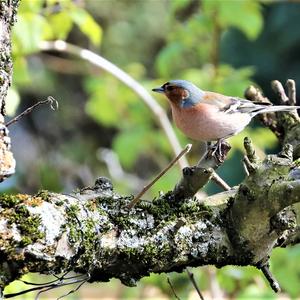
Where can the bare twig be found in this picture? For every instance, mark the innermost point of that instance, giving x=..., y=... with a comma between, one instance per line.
x=73, y=290
x=106, y=65
x=50, y=100
x=245, y=167
x=192, y=279
x=248, y=166
x=220, y=182
x=186, y=149
x=59, y=282
x=269, y=276
x=172, y=288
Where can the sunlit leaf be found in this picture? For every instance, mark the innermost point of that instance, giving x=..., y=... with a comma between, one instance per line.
x=30, y=29
x=130, y=143
x=179, y=4
x=244, y=14
x=61, y=24
x=169, y=58
x=21, y=75
x=102, y=110
x=87, y=25
x=30, y=6
x=12, y=101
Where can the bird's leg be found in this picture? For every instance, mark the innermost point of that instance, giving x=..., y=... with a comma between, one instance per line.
x=215, y=150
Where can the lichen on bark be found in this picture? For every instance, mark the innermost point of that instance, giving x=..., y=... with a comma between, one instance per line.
x=7, y=18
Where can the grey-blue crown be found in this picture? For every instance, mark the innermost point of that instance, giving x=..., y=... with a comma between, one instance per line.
x=195, y=94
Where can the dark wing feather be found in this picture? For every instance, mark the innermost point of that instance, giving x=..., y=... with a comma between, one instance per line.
x=244, y=106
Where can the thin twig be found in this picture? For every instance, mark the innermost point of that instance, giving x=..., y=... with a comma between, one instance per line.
x=106, y=65
x=249, y=167
x=245, y=166
x=59, y=285
x=220, y=182
x=269, y=276
x=73, y=290
x=50, y=100
x=53, y=284
x=192, y=279
x=186, y=149
x=172, y=288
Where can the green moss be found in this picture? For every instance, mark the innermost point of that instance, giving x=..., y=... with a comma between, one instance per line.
x=193, y=207
x=73, y=210
x=27, y=224
x=74, y=234
x=59, y=203
x=25, y=241
x=9, y=200
x=123, y=222
x=44, y=194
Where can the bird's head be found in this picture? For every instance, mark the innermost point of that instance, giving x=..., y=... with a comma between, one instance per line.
x=181, y=92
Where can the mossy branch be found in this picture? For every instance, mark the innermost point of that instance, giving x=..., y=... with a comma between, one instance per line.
x=92, y=232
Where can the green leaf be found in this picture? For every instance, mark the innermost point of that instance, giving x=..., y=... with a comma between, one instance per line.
x=61, y=24
x=168, y=59
x=179, y=4
x=30, y=6
x=30, y=29
x=87, y=25
x=21, y=75
x=12, y=101
x=245, y=15
x=101, y=108
x=130, y=143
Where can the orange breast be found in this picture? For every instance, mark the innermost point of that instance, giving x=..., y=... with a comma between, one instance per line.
x=206, y=122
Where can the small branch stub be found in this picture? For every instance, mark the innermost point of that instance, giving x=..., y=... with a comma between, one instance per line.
x=279, y=90
x=291, y=87
x=269, y=276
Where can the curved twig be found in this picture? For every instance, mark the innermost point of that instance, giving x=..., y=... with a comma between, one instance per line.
x=106, y=65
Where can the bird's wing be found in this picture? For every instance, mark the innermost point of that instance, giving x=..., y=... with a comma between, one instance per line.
x=244, y=106
x=231, y=105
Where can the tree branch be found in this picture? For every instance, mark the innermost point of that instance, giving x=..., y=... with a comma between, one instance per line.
x=7, y=18
x=92, y=232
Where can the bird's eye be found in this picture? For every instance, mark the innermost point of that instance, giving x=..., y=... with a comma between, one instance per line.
x=170, y=88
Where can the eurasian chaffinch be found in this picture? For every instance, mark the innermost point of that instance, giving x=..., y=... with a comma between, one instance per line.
x=209, y=116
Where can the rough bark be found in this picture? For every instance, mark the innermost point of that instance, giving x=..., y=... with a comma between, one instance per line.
x=7, y=18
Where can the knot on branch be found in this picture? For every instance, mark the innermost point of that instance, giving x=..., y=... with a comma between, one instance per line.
x=103, y=183
x=286, y=152
x=284, y=220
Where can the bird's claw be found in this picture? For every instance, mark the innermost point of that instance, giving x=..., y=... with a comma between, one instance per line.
x=218, y=151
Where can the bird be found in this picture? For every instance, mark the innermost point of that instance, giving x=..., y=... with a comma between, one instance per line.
x=208, y=116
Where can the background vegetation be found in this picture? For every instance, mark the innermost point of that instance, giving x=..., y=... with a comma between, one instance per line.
x=101, y=124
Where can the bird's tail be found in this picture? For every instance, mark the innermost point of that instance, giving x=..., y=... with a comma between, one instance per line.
x=268, y=109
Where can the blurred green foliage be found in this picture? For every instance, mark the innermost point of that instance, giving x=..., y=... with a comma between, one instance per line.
x=219, y=45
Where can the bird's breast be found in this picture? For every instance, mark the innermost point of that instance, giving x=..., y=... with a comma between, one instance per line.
x=206, y=122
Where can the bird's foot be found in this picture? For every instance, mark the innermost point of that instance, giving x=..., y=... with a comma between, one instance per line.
x=218, y=151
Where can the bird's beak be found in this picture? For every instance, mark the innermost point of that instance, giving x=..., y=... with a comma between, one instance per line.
x=159, y=90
